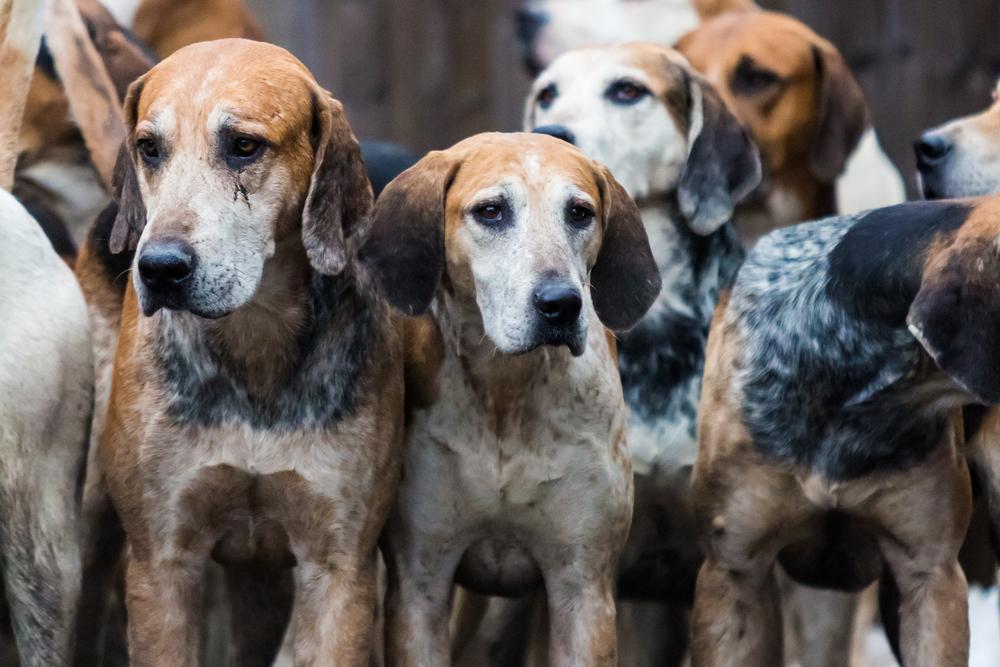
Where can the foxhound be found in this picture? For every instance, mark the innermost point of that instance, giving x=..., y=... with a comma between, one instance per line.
x=517, y=472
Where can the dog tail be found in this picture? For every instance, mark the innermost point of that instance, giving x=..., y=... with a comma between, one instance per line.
x=90, y=90
x=709, y=8
x=21, y=24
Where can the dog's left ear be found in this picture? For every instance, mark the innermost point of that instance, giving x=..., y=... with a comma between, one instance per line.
x=131, y=218
x=723, y=165
x=340, y=196
x=956, y=316
x=843, y=115
x=625, y=280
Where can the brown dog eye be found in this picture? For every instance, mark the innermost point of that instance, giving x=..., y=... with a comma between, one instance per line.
x=491, y=214
x=626, y=92
x=752, y=79
x=580, y=216
x=245, y=147
x=148, y=148
x=547, y=95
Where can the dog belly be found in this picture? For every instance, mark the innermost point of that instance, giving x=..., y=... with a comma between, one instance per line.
x=493, y=567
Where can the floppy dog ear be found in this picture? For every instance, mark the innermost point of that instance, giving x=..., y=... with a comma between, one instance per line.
x=723, y=165
x=131, y=218
x=956, y=317
x=843, y=115
x=340, y=197
x=404, y=248
x=625, y=280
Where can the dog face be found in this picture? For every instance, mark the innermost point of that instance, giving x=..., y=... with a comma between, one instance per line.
x=640, y=110
x=232, y=151
x=526, y=228
x=790, y=87
x=549, y=28
x=962, y=158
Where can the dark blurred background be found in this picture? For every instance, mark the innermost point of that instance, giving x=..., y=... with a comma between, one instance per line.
x=427, y=73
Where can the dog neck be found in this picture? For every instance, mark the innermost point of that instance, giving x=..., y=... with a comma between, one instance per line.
x=501, y=380
x=662, y=357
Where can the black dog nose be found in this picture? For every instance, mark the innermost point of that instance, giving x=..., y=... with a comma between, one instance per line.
x=166, y=264
x=931, y=148
x=528, y=22
x=557, y=131
x=558, y=303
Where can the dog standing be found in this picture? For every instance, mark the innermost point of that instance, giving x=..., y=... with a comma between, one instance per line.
x=833, y=388
x=669, y=139
x=517, y=473
x=256, y=406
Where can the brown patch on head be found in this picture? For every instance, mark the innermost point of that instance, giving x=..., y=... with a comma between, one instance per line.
x=668, y=77
x=168, y=25
x=788, y=85
x=417, y=229
x=956, y=313
x=204, y=95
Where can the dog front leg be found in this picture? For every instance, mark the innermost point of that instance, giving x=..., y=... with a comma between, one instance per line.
x=582, y=618
x=164, y=612
x=417, y=607
x=335, y=613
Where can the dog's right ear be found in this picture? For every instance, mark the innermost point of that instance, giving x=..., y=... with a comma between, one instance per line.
x=131, y=218
x=404, y=247
x=723, y=164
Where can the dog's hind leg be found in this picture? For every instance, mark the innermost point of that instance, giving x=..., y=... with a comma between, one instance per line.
x=41, y=552
x=261, y=597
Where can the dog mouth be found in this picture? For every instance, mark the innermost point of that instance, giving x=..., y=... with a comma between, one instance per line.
x=151, y=302
x=570, y=337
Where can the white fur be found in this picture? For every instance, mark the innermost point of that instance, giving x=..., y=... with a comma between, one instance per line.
x=870, y=180
x=571, y=24
x=233, y=234
x=640, y=143
x=124, y=11
x=46, y=379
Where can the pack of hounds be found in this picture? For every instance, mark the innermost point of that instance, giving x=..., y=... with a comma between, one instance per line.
x=589, y=394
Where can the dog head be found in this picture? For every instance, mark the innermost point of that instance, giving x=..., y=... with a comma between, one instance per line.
x=232, y=151
x=790, y=87
x=962, y=158
x=640, y=110
x=956, y=313
x=523, y=227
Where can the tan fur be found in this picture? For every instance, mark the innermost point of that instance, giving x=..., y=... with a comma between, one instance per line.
x=786, y=121
x=751, y=508
x=20, y=33
x=168, y=25
x=250, y=498
x=498, y=445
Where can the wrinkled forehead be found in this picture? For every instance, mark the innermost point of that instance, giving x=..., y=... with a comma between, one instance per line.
x=268, y=94
x=659, y=69
x=545, y=174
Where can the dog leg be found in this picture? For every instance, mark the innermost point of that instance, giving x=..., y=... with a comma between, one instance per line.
x=582, y=617
x=261, y=598
x=41, y=553
x=737, y=618
x=163, y=597
x=96, y=623
x=824, y=624
x=335, y=613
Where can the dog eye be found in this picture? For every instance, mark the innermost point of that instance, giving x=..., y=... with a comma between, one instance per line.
x=626, y=92
x=148, y=149
x=489, y=214
x=751, y=79
x=244, y=148
x=547, y=95
x=580, y=215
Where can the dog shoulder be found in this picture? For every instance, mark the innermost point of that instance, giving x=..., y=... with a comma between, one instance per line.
x=424, y=355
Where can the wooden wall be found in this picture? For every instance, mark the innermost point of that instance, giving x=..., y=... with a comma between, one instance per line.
x=429, y=72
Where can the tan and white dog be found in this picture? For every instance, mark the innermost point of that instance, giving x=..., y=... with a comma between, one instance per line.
x=666, y=135
x=46, y=384
x=256, y=406
x=517, y=473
